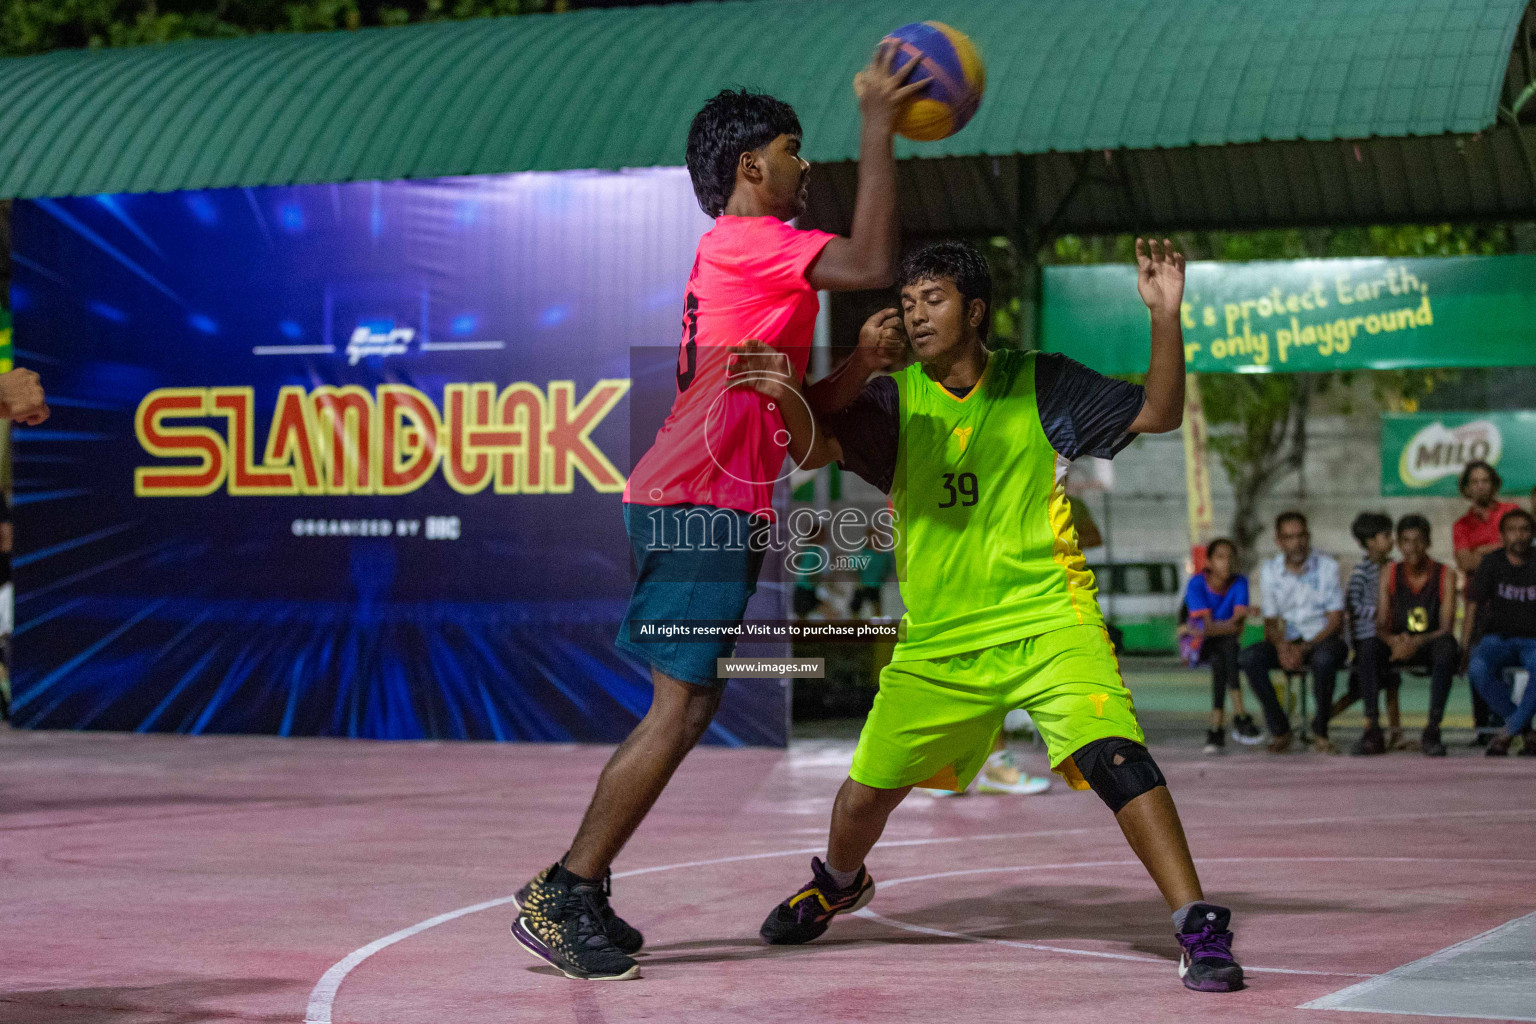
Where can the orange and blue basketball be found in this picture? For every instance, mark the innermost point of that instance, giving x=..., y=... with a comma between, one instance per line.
x=949, y=61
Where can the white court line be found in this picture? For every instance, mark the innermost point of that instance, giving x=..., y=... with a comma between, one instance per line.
x=920, y=929
x=323, y=997
x=1216, y=860
x=1334, y=1000
x=866, y=912
x=324, y=993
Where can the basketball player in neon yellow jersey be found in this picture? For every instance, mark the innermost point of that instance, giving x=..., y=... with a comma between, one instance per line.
x=973, y=448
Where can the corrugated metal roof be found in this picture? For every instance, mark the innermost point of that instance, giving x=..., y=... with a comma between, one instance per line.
x=616, y=88
x=1482, y=177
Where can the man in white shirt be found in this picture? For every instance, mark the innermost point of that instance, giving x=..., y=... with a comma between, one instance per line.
x=1303, y=624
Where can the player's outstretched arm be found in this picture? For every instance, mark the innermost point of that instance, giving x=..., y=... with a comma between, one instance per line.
x=867, y=258
x=882, y=345
x=1160, y=280
x=765, y=370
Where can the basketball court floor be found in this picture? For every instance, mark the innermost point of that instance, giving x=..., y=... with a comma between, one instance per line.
x=177, y=880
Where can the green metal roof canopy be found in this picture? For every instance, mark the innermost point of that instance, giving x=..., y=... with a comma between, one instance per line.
x=616, y=88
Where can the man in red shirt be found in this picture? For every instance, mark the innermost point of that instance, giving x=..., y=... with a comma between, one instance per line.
x=1477, y=533
x=695, y=500
x=1473, y=536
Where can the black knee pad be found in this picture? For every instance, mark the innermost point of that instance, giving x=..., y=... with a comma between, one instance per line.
x=1118, y=770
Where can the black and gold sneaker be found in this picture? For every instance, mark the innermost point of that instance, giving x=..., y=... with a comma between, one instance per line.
x=620, y=932
x=562, y=922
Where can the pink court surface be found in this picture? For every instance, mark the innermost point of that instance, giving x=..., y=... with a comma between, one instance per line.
x=154, y=879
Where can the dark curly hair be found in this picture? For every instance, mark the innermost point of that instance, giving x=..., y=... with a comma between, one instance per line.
x=1414, y=521
x=734, y=122
x=1369, y=524
x=959, y=262
x=1474, y=466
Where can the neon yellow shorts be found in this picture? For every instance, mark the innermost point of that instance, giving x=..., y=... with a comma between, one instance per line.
x=935, y=721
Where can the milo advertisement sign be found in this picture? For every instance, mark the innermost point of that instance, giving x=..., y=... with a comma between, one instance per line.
x=1424, y=453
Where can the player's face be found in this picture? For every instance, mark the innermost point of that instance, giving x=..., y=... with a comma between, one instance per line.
x=786, y=176
x=1414, y=546
x=937, y=317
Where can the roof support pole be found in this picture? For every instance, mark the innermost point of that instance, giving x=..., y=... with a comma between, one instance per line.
x=1510, y=113
x=1525, y=147
x=1026, y=246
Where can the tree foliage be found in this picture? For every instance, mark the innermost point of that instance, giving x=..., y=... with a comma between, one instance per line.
x=36, y=26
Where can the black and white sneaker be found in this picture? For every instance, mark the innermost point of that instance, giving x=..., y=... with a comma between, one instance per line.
x=1246, y=731
x=563, y=923
x=1206, y=963
x=1215, y=742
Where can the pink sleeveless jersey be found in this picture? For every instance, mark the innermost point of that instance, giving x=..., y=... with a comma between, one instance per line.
x=720, y=445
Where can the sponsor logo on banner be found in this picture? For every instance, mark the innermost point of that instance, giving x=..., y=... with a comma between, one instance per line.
x=1438, y=451
x=378, y=339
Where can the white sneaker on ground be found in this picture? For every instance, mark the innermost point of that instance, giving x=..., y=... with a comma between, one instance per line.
x=1018, y=721
x=1003, y=775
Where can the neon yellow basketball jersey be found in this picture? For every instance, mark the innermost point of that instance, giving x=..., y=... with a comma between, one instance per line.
x=986, y=552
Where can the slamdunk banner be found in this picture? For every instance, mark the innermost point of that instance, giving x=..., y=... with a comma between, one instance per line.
x=1424, y=453
x=518, y=439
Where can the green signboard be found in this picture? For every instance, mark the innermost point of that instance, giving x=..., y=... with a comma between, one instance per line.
x=1424, y=453
x=1295, y=315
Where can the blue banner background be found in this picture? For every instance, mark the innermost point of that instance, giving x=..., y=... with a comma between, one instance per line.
x=208, y=614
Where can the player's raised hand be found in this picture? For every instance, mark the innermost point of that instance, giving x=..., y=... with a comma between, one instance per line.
x=882, y=92
x=1160, y=275
x=22, y=398
x=761, y=367
x=882, y=341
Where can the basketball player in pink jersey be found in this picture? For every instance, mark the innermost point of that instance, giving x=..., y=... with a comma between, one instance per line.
x=694, y=498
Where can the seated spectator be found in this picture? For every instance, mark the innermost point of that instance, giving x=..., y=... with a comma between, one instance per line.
x=1303, y=618
x=1477, y=534
x=1414, y=612
x=1217, y=601
x=1373, y=531
x=1504, y=591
